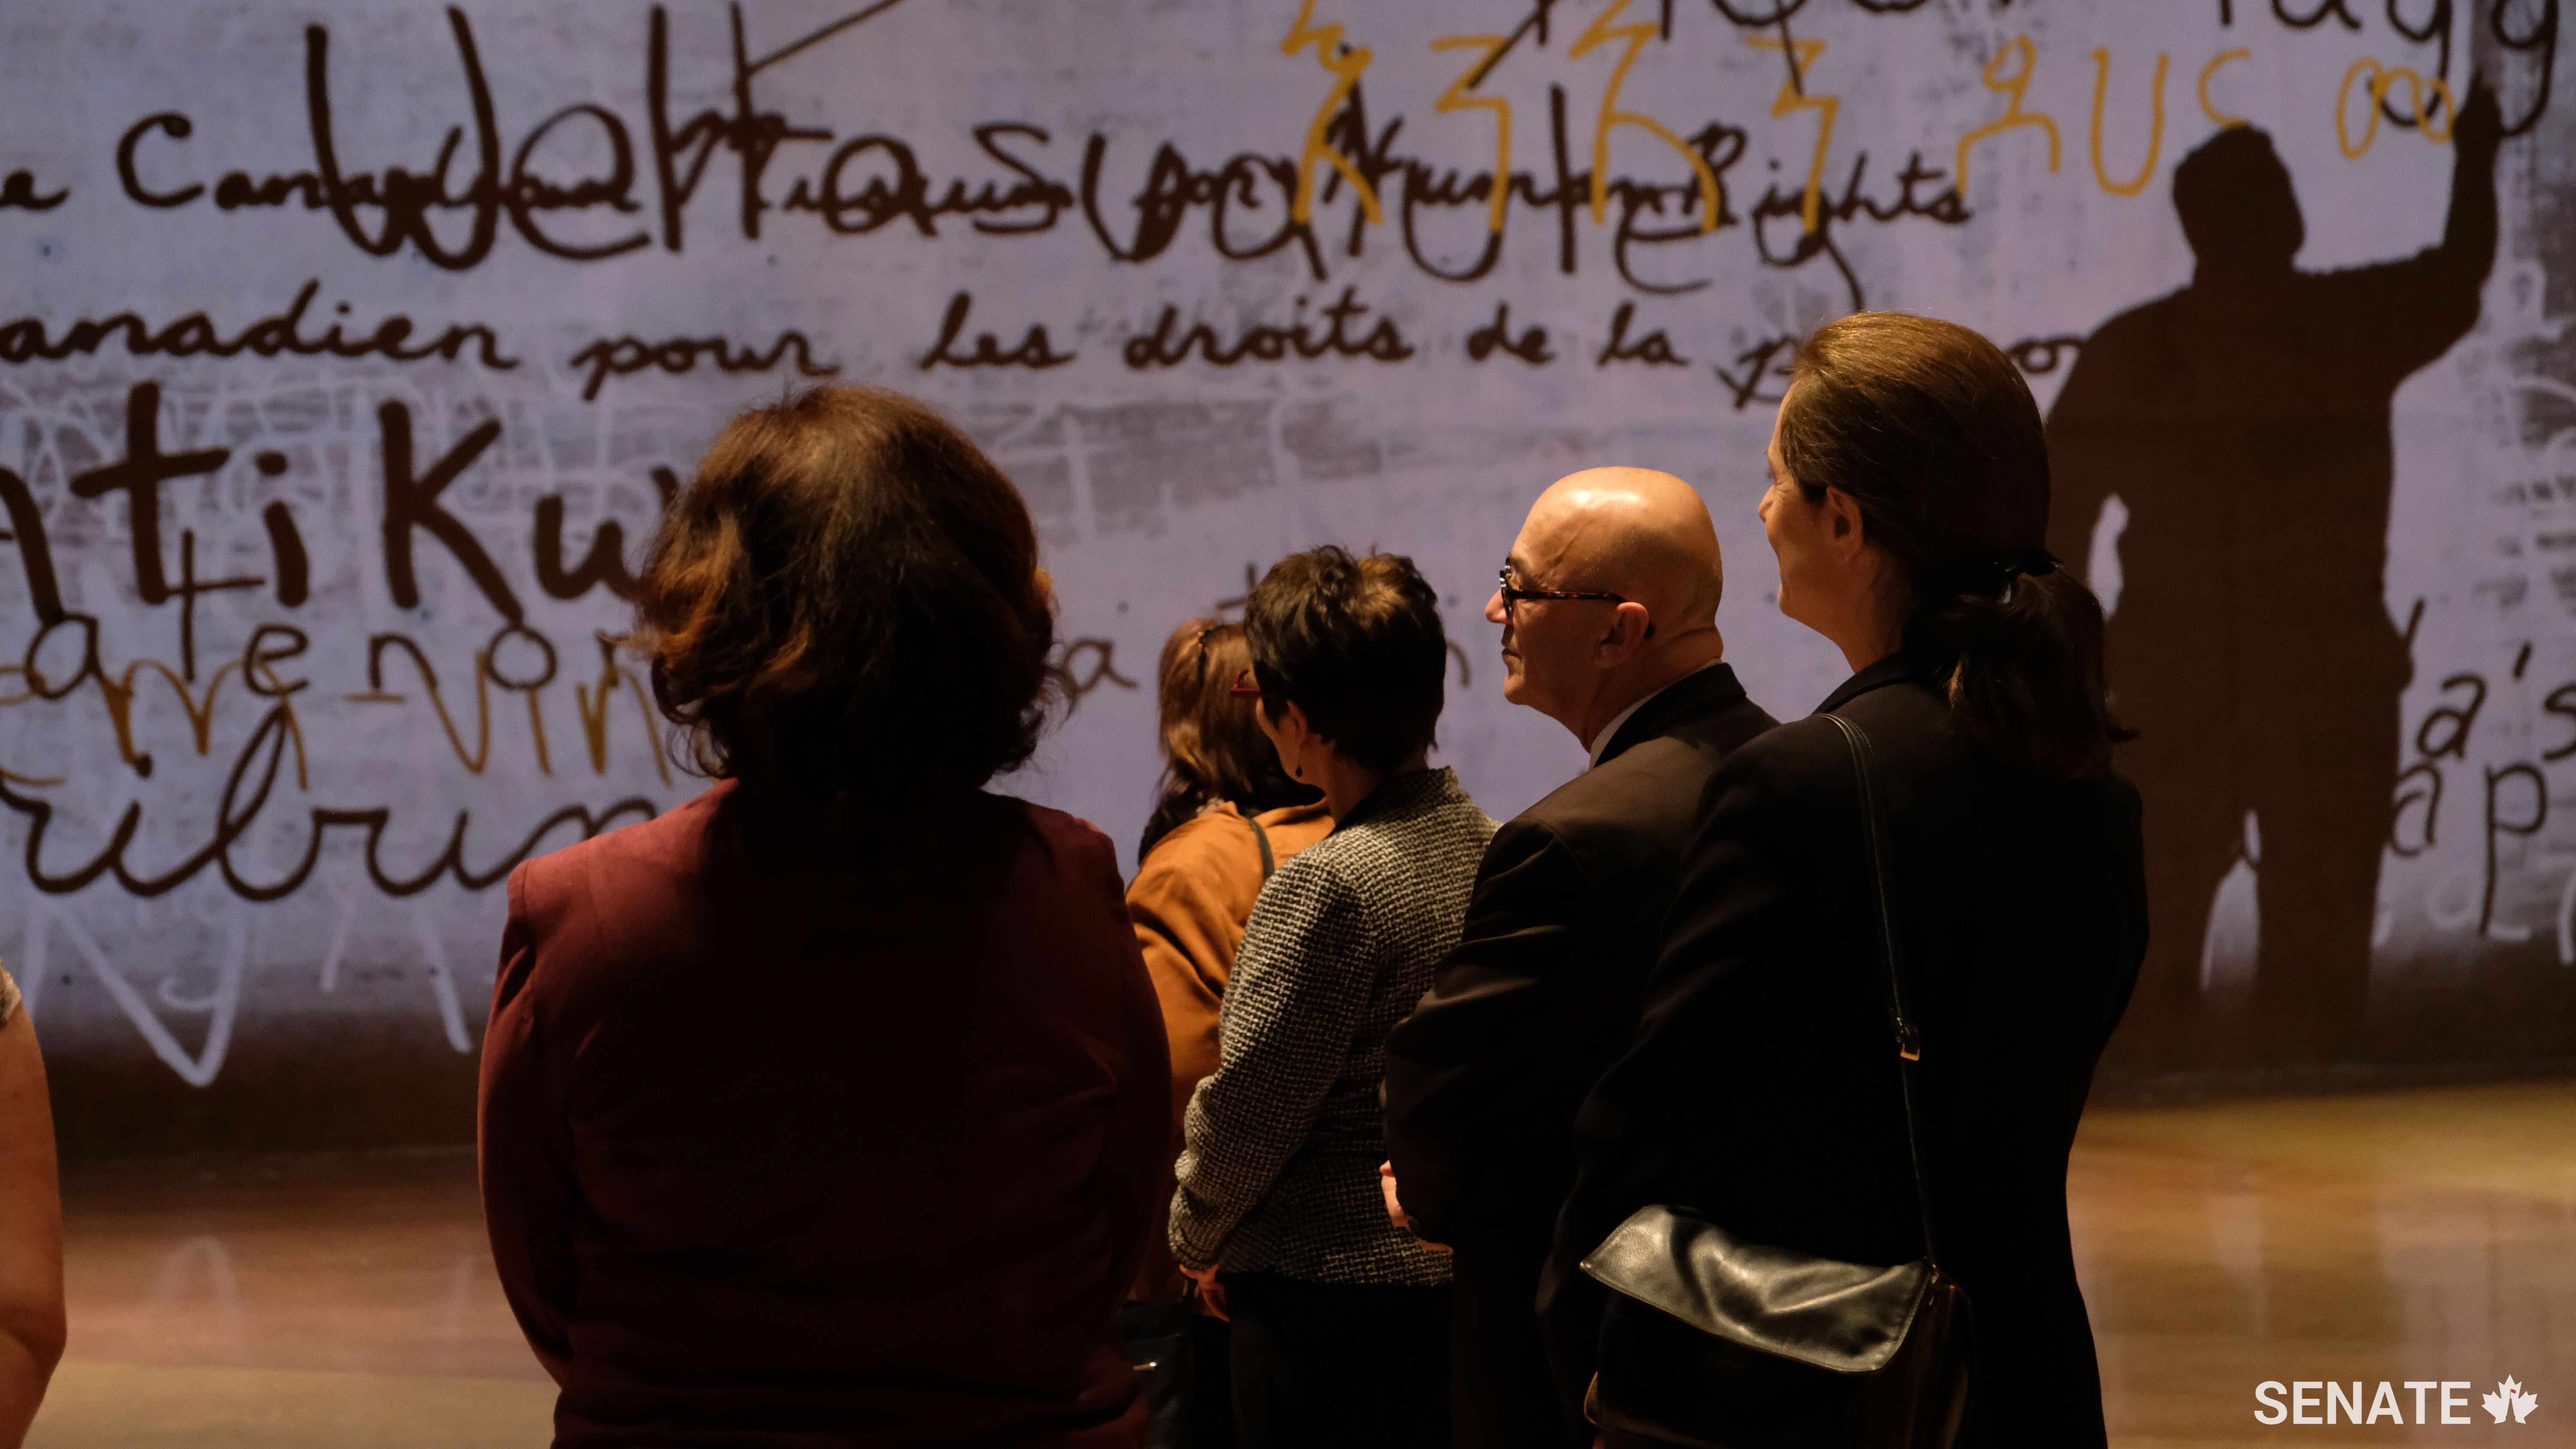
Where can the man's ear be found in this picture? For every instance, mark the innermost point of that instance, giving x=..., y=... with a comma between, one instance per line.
x=1630, y=627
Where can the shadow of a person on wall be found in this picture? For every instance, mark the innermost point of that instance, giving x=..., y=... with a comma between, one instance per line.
x=2243, y=422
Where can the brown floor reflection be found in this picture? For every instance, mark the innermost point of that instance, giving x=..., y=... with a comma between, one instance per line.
x=338, y=1301
x=287, y=1302
x=2418, y=1235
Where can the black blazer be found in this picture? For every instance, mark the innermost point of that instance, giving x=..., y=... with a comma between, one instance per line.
x=1484, y=1079
x=1762, y=1087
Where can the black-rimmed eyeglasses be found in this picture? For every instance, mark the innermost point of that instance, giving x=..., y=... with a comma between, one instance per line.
x=1513, y=593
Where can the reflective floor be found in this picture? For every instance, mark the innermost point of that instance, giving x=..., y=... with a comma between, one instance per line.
x=284, y=1303
x=2410, y=1236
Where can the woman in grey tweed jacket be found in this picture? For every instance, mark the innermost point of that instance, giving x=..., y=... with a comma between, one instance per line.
x=1340, y=1318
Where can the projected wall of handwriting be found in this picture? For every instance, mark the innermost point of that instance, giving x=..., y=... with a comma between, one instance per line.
x=349, y=352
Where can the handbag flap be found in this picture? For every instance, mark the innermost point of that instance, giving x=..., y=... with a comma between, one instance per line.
x=1846, y=1317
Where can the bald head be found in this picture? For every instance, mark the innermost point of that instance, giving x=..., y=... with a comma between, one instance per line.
x=1581, y=658
x=1629, y=531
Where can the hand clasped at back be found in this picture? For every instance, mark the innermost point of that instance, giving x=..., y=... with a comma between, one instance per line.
x=1395, y=1209
x=1211, y=1292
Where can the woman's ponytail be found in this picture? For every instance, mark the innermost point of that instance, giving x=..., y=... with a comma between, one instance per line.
x=1212, y=750
x=1930, y=429
x=2028, y=680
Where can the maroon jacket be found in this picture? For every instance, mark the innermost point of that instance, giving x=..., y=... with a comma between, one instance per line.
x=785, y=1142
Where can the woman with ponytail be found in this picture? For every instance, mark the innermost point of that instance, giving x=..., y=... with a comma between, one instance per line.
x=1227, y=816
x=1908, y=501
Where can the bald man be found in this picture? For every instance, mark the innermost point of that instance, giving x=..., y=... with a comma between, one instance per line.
x=1608, y=607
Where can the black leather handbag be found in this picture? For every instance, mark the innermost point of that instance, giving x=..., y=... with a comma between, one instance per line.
x=1159, y=1347
x=1714, y=1342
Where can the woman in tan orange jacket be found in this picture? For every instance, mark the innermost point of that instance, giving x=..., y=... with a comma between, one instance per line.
x=1227, y=818
x=1190, y=901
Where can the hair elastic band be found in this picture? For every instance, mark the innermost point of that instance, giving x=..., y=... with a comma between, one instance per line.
x=2034, y=562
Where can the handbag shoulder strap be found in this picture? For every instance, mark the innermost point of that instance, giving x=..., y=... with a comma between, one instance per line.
x=1261, y=838
x=1909, y=1040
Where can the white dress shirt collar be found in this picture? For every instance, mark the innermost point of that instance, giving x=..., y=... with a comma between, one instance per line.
x=1610, y=731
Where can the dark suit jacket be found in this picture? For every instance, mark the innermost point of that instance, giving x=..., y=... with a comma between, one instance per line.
x=1762, y=1088
x=787, y=1141
x=1484, y=1079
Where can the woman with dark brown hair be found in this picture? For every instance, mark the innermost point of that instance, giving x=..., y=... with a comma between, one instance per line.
x=1341, y=1334
x=830, y=1106
x=1908, y=501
